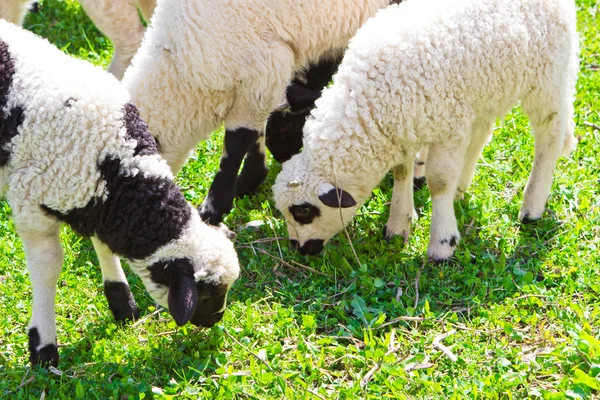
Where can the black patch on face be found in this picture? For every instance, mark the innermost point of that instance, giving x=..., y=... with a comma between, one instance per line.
x=304, y=213
x=120, y=301
x=9, y=122
x=138, y=130
x=210, y=298
x=237, y=143
x=139, y=215
x=312, y=247
x=46, y=356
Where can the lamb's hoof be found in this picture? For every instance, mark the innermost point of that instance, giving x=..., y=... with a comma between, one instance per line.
x=418, y=183
x=443, y=249
x=211, y=217
x=120, y=301
x=388, y=234
x=45, y=356
x=527, y=218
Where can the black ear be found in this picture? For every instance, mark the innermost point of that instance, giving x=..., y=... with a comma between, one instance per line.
x=183, y=296
x=337, y=198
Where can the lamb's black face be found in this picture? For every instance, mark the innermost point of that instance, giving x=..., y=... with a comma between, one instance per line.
x=199, y=302
x=212, y=301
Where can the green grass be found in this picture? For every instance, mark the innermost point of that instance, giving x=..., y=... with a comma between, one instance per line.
x=523, y=302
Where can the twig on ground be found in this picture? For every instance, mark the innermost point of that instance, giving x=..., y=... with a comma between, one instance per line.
x=144, y=340
x=401, y=319
x=391, y=348
x=287, y=264
x=142, y=320
x=417, y=288
x=343, y=291
x=26, y=382
x=262, y=240
x=268, y=365
x=597, y=127
x=438, y=346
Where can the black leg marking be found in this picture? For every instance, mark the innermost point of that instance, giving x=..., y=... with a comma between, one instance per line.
x=452, y=242
x=13, y=118
x=253, y=172
x=46, y=356
x=120, y=301
x=220, y=196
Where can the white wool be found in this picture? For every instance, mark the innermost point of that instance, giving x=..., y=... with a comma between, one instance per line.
x=205, y=62
x=424, y=73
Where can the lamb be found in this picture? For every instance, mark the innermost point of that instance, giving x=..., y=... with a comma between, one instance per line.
x=203, y=63
x=433, y=74
x=117, y=19
x=73, y=149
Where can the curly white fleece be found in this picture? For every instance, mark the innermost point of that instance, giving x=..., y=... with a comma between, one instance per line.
x=206, y=62
x=433, y=73
x=73, y=120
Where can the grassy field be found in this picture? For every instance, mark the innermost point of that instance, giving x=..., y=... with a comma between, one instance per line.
x=519, y=307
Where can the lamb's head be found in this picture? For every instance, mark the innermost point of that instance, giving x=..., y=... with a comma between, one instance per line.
x=315, y=209
x=192, y=275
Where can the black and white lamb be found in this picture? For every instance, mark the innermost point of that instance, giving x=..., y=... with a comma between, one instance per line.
x=74, y=150
x=432, y=74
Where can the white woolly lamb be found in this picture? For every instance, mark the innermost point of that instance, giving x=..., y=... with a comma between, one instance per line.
x=433, y=74
x=205, y=62
x=72, y=149
x=117, y=19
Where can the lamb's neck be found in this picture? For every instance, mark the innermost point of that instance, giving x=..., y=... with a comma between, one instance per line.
x=352, y=159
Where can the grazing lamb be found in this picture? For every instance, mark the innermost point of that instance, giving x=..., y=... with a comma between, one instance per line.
x=74, y=150
x=433, y=74
x=206, y=62
x=117, y=19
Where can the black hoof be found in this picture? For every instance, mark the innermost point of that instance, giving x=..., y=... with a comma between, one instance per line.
x=210, y=217
x=46, y=356
x=528, y=221
x=120, y=301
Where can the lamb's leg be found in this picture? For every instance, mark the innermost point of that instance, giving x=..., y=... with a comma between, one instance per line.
x=419, y=169
x=444, y=164
x=219, y=201
x=480, y=134
x=402, y=209
x=116, y=288
x=14, y=10
x=254, y=170
x=44, y=261
x=550, y=129
x=120, y=22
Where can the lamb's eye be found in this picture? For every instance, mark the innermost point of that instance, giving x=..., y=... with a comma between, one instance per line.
x=302, y=212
